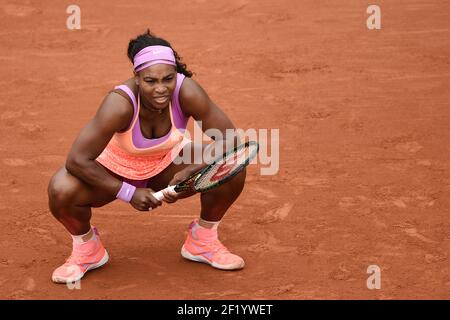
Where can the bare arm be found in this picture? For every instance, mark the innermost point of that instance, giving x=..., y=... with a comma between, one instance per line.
x=196, y=103
x=113, y=115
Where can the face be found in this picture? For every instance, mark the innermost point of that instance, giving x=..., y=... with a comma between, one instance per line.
x=156, y=84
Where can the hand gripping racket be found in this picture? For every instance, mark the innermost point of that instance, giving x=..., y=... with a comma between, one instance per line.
x=220, y=171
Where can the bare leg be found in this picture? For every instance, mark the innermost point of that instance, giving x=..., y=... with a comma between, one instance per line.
x=70, y=201
x=214, y=203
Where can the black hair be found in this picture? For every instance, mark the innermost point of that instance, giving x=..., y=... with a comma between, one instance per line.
x=148, y=39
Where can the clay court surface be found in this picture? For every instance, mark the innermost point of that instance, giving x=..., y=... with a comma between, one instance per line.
x=364, y=147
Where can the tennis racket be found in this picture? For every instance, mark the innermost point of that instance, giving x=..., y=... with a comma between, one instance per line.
x=217, y=173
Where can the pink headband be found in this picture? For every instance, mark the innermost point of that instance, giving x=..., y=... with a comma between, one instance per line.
x=153, y=55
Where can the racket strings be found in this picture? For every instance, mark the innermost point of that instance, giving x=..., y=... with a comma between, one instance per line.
x=226, y=167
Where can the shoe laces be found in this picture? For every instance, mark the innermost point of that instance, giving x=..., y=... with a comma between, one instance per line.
x=218, y=247
x=75, y=258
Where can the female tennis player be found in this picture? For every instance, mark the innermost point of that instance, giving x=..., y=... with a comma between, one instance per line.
x=127, y=152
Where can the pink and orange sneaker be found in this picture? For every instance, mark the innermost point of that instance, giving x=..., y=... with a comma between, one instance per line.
x=85, y=256
x=203, y=245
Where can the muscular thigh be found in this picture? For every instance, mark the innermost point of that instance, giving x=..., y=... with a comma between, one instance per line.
x=81, y=193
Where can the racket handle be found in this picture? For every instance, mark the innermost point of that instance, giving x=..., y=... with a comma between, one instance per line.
x=159, y=195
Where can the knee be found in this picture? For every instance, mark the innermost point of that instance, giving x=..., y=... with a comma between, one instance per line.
x=60, y=192
x=238, y=182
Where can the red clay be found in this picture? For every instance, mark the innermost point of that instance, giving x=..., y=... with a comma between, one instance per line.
x=363, y=117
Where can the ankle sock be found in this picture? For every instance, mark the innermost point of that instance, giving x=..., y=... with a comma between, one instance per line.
x=208, y=224
x=82, y=238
